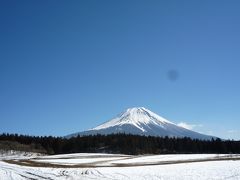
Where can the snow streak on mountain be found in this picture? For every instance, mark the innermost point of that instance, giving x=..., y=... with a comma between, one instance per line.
x=141, y=121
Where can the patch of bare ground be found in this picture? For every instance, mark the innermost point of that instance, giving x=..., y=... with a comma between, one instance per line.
x=111, y=163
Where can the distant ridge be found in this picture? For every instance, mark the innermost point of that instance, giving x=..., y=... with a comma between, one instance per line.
x=141, y=121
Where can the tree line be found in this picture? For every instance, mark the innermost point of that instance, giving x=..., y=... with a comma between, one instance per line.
x=116, y=143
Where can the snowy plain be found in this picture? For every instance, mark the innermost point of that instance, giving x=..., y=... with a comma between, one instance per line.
x=115, y=166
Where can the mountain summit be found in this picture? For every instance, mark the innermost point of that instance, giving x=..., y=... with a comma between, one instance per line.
x=141, y=121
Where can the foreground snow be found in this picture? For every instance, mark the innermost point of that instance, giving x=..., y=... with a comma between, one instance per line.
x=105, y=167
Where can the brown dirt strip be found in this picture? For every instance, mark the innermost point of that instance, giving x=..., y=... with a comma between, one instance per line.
x=80, y=157
x=30, y=163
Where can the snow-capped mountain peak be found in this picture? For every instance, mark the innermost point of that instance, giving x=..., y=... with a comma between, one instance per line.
x=141, y=121
x=136, y=116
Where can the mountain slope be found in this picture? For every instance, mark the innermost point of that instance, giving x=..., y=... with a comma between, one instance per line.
x=141, y=121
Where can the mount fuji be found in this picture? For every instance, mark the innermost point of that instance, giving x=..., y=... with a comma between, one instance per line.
x=141, y=121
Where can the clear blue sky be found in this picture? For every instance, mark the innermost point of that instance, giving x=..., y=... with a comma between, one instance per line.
x=66, y=66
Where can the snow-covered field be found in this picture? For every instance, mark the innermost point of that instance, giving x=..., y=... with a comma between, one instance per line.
x=116, y=166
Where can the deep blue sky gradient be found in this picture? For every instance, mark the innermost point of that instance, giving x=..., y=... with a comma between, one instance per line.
x=66, y=66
